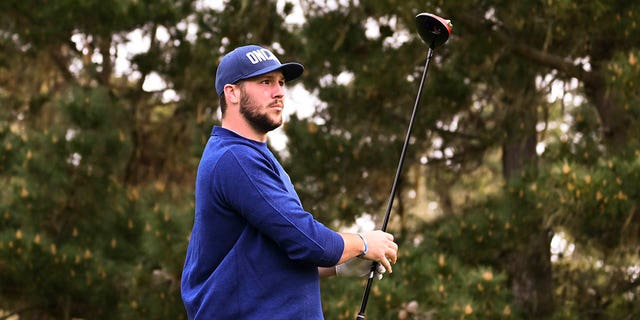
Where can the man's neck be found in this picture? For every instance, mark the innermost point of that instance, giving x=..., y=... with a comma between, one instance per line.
x=245, y=130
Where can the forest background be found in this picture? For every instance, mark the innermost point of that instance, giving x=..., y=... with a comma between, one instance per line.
x=521, y=190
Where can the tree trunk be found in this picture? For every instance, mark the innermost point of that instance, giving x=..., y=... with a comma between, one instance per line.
x=615, y=121
x=517, y=153
x=531, y=276
x=529, y=266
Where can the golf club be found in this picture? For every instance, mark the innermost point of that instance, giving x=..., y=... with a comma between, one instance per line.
x=434, y=31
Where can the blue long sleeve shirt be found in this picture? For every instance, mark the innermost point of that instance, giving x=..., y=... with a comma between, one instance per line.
x=254, y=251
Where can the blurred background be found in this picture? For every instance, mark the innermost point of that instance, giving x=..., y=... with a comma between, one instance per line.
x=520, y=193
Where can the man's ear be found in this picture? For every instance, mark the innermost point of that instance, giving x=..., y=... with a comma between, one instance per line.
x=232, y=93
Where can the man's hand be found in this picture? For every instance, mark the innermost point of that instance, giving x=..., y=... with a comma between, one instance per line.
x=358, y=267
x=375, y=246
x=381, y=248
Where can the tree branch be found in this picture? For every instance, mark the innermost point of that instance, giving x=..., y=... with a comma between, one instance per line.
x=526, y=51
x=59, y=60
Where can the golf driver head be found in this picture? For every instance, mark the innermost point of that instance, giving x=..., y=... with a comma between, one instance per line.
x=433, y=30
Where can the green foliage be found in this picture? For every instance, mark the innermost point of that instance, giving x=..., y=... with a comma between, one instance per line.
x=496, y=51
x=426, y=283
x=580, y=200
x=495, y=230
x=73, y=235
x=590, y=199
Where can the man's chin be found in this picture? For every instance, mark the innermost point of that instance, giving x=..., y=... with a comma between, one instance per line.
x=265, y=128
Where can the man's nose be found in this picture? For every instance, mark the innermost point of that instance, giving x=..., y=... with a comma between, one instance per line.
x=278, y=90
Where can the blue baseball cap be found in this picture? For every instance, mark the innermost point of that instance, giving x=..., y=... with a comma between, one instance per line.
x=251, y=61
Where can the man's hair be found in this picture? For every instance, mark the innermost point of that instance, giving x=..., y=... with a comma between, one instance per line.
x=223, y=101
x=223, y=104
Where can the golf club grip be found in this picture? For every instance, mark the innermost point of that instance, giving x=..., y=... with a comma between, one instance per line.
x=365, y=296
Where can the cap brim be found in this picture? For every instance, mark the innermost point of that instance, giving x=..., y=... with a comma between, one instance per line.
x=290, y=70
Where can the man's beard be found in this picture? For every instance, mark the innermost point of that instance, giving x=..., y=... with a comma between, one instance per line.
x=258, y=121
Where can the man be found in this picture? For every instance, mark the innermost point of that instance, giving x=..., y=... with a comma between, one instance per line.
x=254, y=252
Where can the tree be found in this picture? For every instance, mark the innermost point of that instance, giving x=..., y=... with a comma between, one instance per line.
x=484, y=96
x=80, y=238
x=98, y=166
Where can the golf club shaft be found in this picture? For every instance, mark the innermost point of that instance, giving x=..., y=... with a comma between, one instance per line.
x=394, y=188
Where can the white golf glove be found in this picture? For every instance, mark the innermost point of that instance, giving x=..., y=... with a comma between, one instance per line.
x=357, y=267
